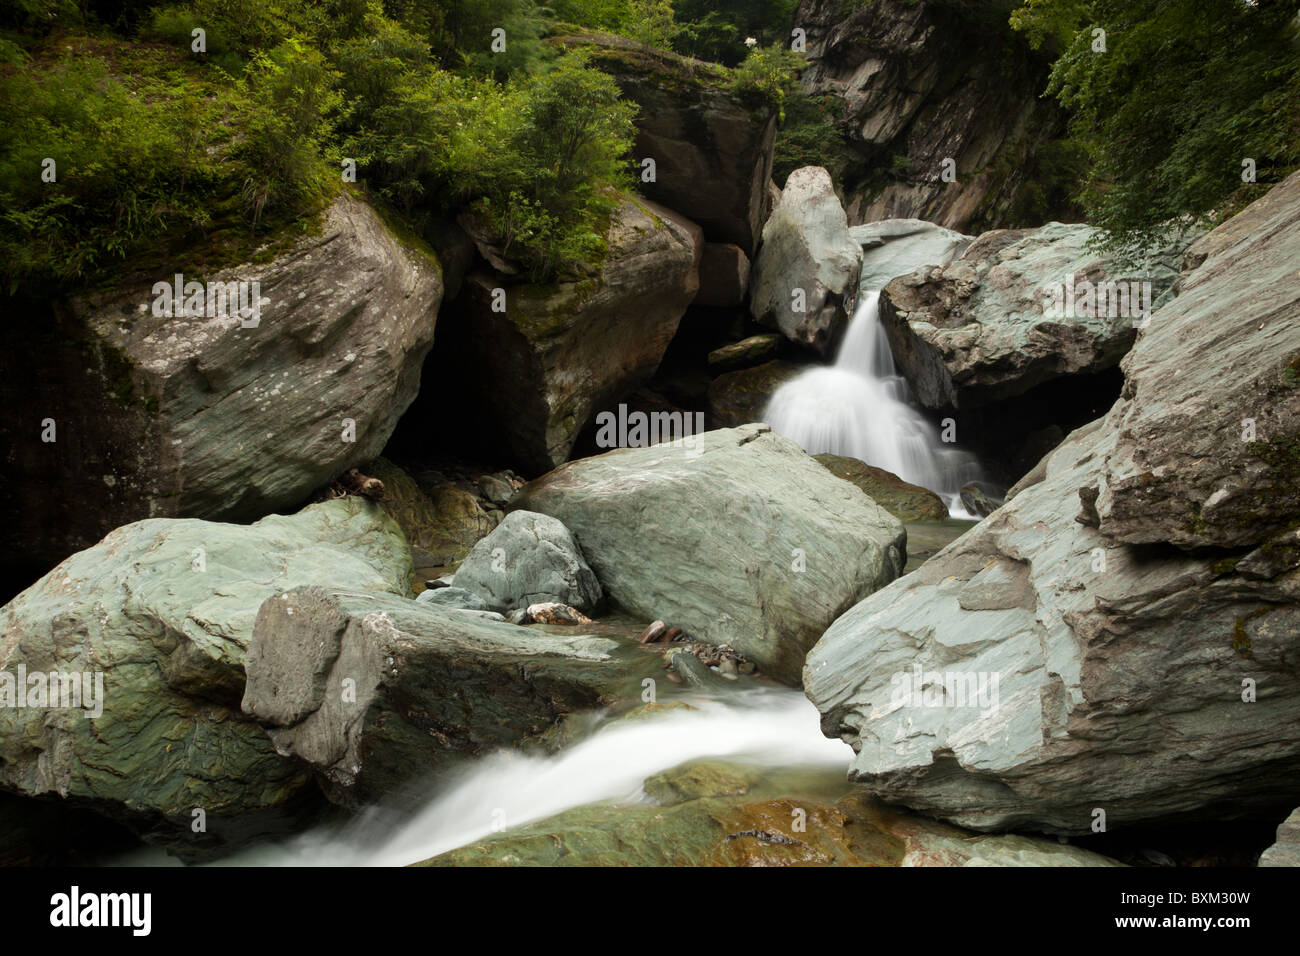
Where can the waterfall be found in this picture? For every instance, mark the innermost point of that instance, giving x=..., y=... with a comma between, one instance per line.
x=860, y=407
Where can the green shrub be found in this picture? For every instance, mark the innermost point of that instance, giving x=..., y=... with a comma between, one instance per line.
x=770, y=73
x=1184, y=91
x=128, y=167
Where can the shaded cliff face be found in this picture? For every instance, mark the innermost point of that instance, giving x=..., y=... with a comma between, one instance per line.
x=712, y=146
x=931, y=81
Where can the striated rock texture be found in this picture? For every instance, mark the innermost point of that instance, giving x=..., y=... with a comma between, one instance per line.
x=540, y=370
x=898, y=247
x=1133, y=677
x=197, y=416
x=1216, y=460
x=981, y=329
x=920, y=86
x=374, y=691
x=529, y=558
x=441, y=526
x=712, y=147
x=163, y=610
x=735, y=536
x=806, y=274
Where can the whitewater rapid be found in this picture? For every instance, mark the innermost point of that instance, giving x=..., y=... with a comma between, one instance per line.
x=770, y=728
x=860, y=407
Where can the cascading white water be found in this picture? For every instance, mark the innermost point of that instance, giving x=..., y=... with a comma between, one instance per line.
x=768, y=728
x=859, y=407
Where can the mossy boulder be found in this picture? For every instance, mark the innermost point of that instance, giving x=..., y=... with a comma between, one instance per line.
x=904, y=501
x=163, y=611
x=216, y=415
x=540, y=361
x=740, y=397
x=744, y=830
x=441, y=526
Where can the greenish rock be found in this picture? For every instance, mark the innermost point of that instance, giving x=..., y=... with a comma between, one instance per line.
x=453, y=597
x=202, y=416
x=1111, y=668
x=546, y=359
x=740, y=397
x=898, y=247
x=736, y=536
x=1215, y=460
x=694, y=672
x=749, y=830
x=375, y=692
x=441, y=526
x=163, y=610
x=982, y=330
x=745, y=353
x=701, y=778
x=904, y=501
x=529, y=559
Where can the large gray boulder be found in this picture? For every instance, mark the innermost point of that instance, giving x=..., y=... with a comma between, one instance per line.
x=898, y=247
x=1136, y=679
x=805, y=279
x=374, y=691
x=1216, y=461
x=982, y=329
x=162, y=611
x=539, y=361
x=528, y=559
x=199, y=416
x=736, y=536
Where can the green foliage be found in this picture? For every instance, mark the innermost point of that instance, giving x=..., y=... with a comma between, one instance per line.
x=531, y=159
x=771, y=73
x=157, y=144
x=291, y=95
x=563, y=142
x=1183, y=93
x=716, y=30
x=131, y=163
x=811, y=135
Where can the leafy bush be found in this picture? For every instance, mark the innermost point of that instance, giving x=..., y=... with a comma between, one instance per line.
x=1184, y=91
x=811, y=135
x=770, y=73
x=128, y=168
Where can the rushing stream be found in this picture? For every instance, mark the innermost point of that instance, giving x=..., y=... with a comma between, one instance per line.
x=767, y=728
x=859, y=407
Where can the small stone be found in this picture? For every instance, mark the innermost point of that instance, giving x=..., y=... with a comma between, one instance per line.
x=552, y=612
x=654, y=633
